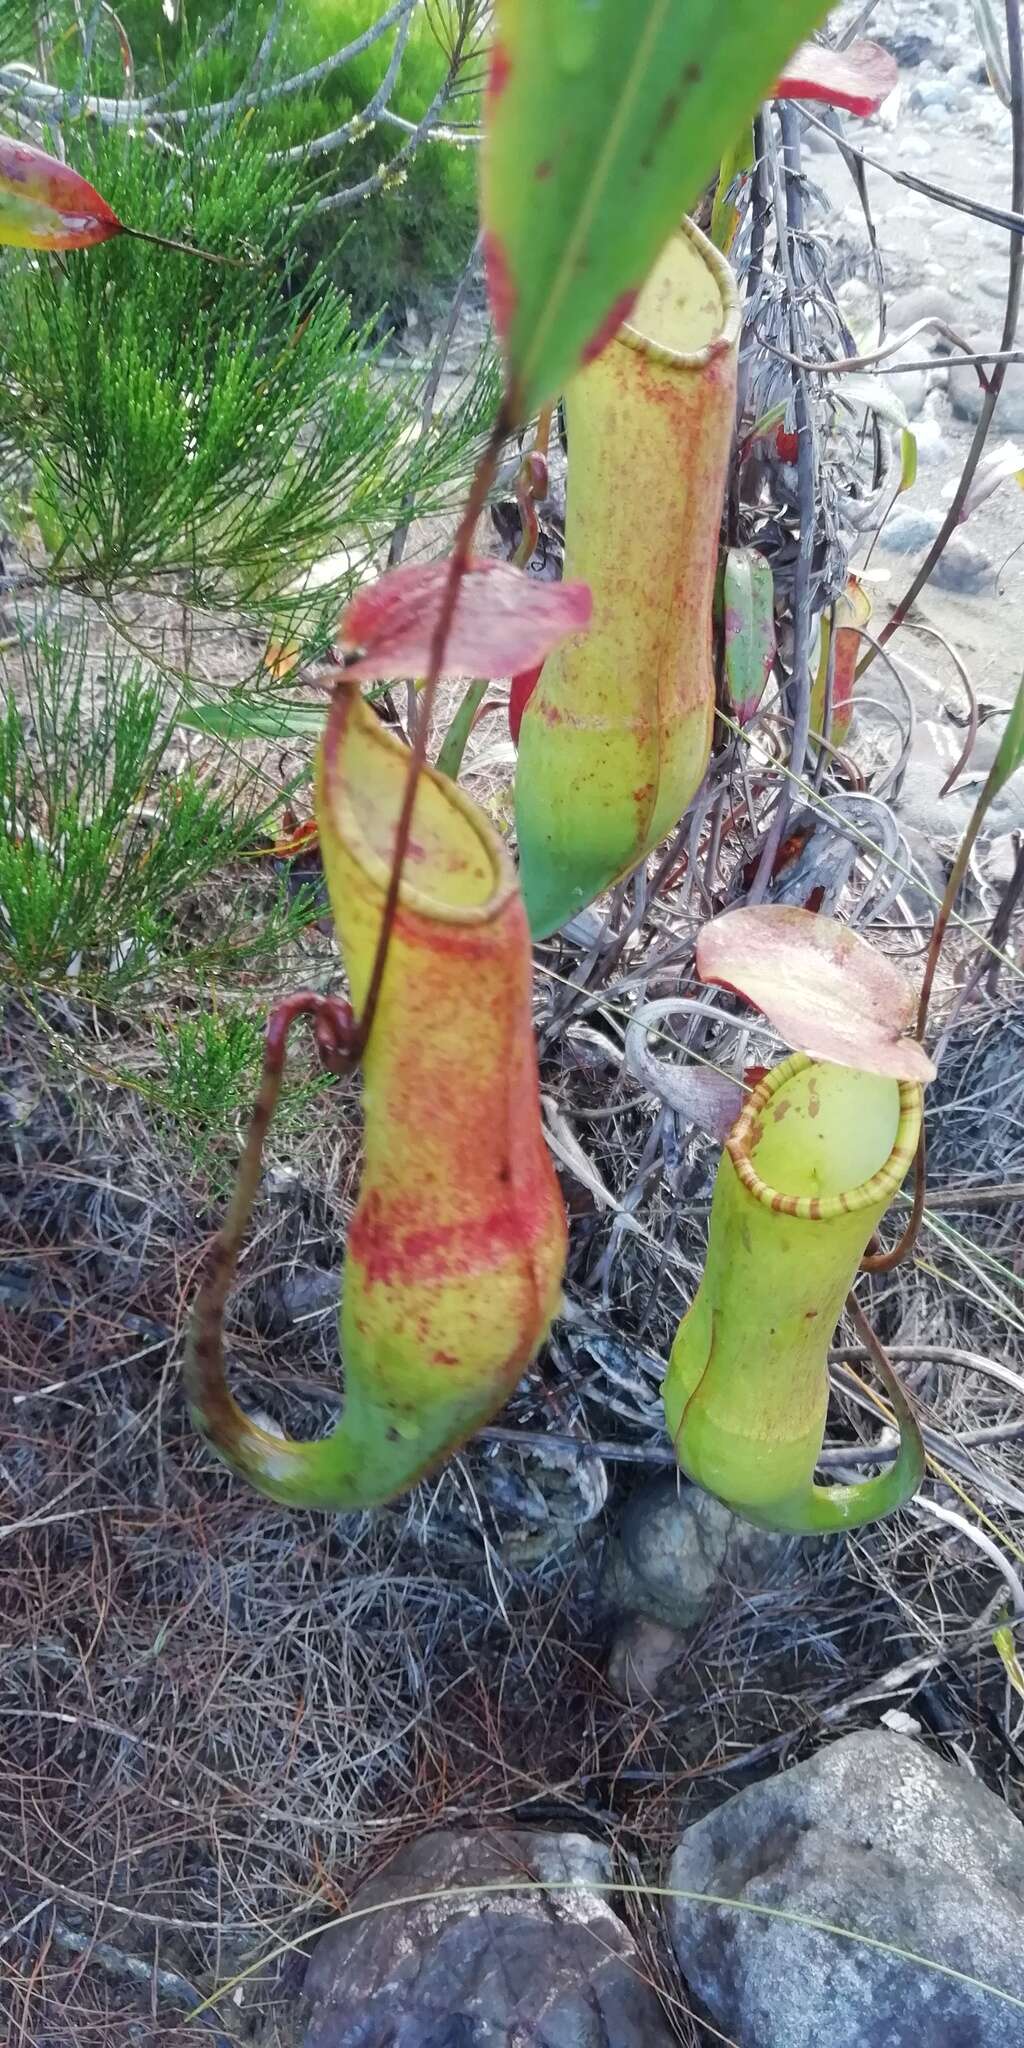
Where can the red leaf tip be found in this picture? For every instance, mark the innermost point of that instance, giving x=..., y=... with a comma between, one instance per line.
x=504, y=621
x=858, y=79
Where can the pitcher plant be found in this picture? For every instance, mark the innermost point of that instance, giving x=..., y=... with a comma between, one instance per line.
x=809, y=1169
x=456, y=1250
x=616, y=735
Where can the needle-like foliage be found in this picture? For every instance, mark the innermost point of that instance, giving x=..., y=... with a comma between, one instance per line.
x=215, y=426
x=104, y=846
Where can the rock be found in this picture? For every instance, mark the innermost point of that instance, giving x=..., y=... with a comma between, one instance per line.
x=640, y=1659
x=308, y=1291
x=932, y=445
x=993, y=284
x=676, y=1546
x=966, y=396
x=910, y=533
x=1001, y=860
x=513, y=1970
x=925, y=302
x=921, y=807
x=962, y=567
x=936, y=92
x=908, y=50
x=876, y=1835
x=912, y=386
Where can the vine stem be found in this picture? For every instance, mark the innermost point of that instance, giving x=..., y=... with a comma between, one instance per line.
x=205, y=1374
x=458, y=564
x=189, y=249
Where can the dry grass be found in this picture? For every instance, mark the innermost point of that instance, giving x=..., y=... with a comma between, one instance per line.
x=219, y=1716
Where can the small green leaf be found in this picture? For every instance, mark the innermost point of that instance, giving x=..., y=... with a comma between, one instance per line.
x=908, y=459
x=604, y=121
x=1011, y=748
x=456, y=739
x=240, y=719
x=1003, y=1643
x=748, y=628
x=725, y=216
x=767, y=423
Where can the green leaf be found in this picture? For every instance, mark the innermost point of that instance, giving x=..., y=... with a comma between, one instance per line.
x=908, y=459
x=241, y=719
x=456, y=739
x=1011, y=748
x=1003, y=1643
x=767, y=422
x=604, y=121
x=725, y=214
x=748, y=628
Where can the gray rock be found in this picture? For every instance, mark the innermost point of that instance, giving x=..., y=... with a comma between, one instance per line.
x=962, y=566
x=875, y=1835
x=993, y=284
x=932, y=92
x=676, y=1547
x=921, y=807
x=925, y=302
x=910, y=533
x=913, y=389
x=641, y=1660
x=908, y=50
x=966, y=396
x=521, y=1969
x=308, y=1291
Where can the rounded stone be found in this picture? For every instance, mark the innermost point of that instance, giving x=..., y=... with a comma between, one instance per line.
x=676, y=1546
x=878, y=1837
x=532, y=1953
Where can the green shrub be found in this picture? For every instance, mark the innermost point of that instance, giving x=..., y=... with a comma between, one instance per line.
x=401, y=244
x=104, y=848
x=185, y=420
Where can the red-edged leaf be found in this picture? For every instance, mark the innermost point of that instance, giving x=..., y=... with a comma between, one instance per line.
x=827, y=992
x=504, y=621
x=857, y=79
x=523, y=687
x=44, y=204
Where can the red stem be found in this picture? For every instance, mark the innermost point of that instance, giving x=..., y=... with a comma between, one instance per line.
x=457, y=567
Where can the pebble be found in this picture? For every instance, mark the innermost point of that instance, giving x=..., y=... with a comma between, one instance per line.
x=641, y=1659
x=909, y=533
x=926, y=302
x=675, y=1548
x=966, y=397
x=932, y=444
x=962, y=567
x=909, y=50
